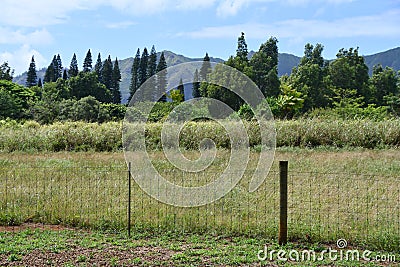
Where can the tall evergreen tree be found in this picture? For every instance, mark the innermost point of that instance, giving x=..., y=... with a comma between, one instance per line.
x=144, y=61
x=240, y=61
x=5, y=72
x=264, y=65
x=58, y=67
x=73, y=67
x=98, y=68
x=162, y=78
x=31, y=79
x=152, y=65
x=87, y=63
x=40, y=84
x=116, y=79
x=196, y=84
x=107, y=73
x=134, y=75
x=50, y=74
x=242, y=51
x=181, y=89
x=205, y=68
x=65, y=74
x=151, y=71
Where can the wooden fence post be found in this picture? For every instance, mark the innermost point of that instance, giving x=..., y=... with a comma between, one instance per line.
x=283, y=207
x=129, y=199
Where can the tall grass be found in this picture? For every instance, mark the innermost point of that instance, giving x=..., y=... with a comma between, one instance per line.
x=80, y=136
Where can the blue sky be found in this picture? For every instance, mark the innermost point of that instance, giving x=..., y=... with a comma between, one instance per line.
x=118, y=27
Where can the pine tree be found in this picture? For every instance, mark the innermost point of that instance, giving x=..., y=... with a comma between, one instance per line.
x=205, y=68
x=65, y=75
x=152, y=64
x=107, y=73
x=58, y=67
x=144, y=60
x=242, y=51
x=98, y=68
x=116, y=79
x=40, y=84
x=50, y=74
x=162, y=78
x=31, y=79
x=151, y=71
x=87, y=63
x=73, y=67
x=5, y=72
x=181, y=89
x=196, y=85
x=135, y=75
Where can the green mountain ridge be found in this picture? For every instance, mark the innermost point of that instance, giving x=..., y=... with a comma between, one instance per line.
x=389, y=58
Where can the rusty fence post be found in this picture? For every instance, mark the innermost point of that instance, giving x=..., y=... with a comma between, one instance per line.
x=283, y=202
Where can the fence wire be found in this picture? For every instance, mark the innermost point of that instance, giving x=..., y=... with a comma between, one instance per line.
x=322, y=206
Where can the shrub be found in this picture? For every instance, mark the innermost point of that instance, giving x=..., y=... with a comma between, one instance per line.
x=82, y=136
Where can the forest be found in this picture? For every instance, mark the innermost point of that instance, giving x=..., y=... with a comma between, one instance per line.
x=316, y=87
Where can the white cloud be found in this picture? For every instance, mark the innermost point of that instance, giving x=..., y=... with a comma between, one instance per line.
x=306, y=2
x=382, y=25
x=194, y=4
x=39, y=13
x=120, y=25
x=230, y=7
x=136, y=7
x=8, y=36
x=19, y=59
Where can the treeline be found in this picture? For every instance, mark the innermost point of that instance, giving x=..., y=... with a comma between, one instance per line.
x=341, y=88
x=108, y=78
x=69, y=94
x=145, y=66
x=316, y=87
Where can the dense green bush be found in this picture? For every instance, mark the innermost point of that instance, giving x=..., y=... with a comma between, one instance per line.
x=82, y=136
x=68, y=136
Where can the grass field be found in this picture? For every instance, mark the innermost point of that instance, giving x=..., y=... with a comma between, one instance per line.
x=66, y=247
x=332, y=194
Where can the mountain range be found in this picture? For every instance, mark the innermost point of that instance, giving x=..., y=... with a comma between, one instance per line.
x=389, y=58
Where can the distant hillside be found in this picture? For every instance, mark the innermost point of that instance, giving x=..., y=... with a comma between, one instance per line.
x=21, y=79
x=390, y=58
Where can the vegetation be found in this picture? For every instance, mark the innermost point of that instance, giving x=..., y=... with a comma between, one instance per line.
x=341, y=87
x=80, y=248
x=89, y=190
x=322, y=106
x=81, y=136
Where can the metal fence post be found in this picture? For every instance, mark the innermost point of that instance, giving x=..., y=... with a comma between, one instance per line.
x=283, y=207
x=129, y=199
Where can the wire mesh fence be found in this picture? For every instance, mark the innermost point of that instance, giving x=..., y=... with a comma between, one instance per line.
x=322, y=206
x=74, y=196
